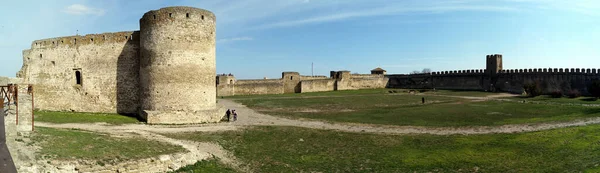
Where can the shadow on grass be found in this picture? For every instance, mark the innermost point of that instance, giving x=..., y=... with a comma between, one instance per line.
x=589, y=99
x=592, y=111
x=86, y=117
x=134, y=115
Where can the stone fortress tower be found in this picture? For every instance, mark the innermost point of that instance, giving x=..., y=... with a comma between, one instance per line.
x=178, y=66
x=164, y=73
x=493, y=64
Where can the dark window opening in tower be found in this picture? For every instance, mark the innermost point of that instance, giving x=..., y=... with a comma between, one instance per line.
x=170, y=14
x=154, y=16
x=202, y=17
x=91, y=39
x=126, y=37
x=230, y=81
x=291, y=77
x=187, y=15
x=78, y=77
x=40, y=55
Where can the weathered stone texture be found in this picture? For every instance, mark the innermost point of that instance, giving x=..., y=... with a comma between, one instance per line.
x=166, y=68
x=252, y=87
x=318, y=85
x=496, y=79
x=293, y=82
x=370, y=81
x=106, y=62
x=177, y=63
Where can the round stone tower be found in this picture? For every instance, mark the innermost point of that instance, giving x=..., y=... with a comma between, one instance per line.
x=177, y=66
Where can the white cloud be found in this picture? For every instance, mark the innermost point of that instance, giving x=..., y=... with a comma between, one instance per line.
x=78, y=9
x=383, y=11
x=586, y=7
x=224, y=40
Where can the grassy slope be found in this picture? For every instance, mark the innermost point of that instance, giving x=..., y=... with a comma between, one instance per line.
x=562, y=100
x=74, y=144
x=82, y=117
x=404, y=109
x=279, y=149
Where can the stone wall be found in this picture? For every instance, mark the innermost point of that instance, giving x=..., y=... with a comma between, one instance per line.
x=293, y=82
x=257, y=87
x=549, y=80
x=368, y=81
x=313, y=77
x=166, y=69
x=178, y=65
x=512, y=80
x=9, y=80
x=107, y=64
x=317, y=85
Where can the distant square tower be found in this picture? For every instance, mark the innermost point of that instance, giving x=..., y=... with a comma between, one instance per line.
x=378, y=70
x=493, y=64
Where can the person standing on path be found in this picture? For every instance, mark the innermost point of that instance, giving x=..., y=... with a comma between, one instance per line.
x=234, y=115
x=228, y=114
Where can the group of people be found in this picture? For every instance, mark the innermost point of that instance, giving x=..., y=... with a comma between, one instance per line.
x=229, y=113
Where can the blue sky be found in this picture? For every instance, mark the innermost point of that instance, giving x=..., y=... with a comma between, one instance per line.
x=262, y=38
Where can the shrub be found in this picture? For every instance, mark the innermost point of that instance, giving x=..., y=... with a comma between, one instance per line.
x=573, y=94
x=594, y=88
x=532, y=89
x=556, y=94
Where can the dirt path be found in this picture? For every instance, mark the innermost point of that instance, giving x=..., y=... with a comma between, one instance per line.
x=249, y=117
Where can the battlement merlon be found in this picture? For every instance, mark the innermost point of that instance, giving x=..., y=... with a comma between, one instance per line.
x=76, y=40
x=169, y=14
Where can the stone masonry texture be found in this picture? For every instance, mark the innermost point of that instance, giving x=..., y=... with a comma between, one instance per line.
x=166, y=69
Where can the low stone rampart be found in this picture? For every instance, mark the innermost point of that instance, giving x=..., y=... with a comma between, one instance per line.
x=254, y=87
x=317, y=85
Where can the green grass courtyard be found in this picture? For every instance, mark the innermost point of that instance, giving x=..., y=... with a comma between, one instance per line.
x=295, y=149
x=442, y=108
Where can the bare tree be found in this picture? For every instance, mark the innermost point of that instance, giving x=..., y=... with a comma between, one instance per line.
x=426, y=70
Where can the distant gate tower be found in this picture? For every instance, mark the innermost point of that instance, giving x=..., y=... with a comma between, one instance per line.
x=493, y=64
x=177, y=66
